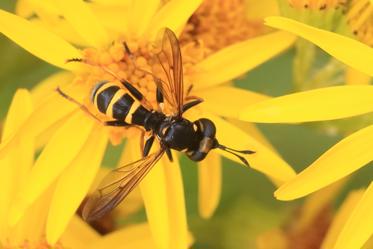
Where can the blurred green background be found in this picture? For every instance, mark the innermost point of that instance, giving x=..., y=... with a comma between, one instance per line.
x=247, y=206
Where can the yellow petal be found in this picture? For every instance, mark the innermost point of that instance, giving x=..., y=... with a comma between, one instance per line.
x=19, y=110
x=52, y=110
x=47, y=86
x=155, y=205
x=24, y=8
x=349, y=51
x=315, y=105
x=238, y=98
x=78, y=234
x=209, y=184
x=13, y=167
x=174, y=14
x=38, y=41
x=56, y=156
x=354, y=77
x=176, y=204
x=254, y=132
x=340, y=218
x=358, y=228
x=61, y=28
x=78, y=13
x=112, y=17
x=114, y=2
x=237, y=59
x=49, y=17
x=165, y=210
x=7, y=180
x=142, y=11
x=74, y=183
x=264, y=160
x=31, y=227
x=347, y=156
x=164, y=203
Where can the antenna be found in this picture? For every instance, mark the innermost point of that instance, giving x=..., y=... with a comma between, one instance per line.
x=235, y=152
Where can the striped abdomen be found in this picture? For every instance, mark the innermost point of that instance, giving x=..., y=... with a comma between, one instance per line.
x=117, y=103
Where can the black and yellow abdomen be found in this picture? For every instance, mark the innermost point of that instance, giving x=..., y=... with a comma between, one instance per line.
x=118, y=103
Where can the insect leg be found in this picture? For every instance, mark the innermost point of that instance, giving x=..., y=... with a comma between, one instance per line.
x=169, y=154
x=118, y=123
x=189, y=90
x=190, y=104
x=148, y=146
x=133, y=90
x=129, y=52
x=136, y=93
x=83, y=107
x=160, y=99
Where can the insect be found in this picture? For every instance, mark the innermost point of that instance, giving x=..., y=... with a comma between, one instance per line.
x=127, y=107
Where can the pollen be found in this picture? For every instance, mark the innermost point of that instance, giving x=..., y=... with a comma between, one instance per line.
x=220, y=23
x=360, y=20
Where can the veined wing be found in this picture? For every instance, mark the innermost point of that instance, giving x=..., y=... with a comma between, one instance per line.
x=117, y=185
x=169, y=57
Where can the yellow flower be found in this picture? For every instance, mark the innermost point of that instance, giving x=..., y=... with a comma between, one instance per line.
x=333, y=26
x=29, y=231
x=347, y=156
x=352, y=46
x=54, y=32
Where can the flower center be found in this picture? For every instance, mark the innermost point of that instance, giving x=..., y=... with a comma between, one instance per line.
x=316, y=4
x=220, y=23
x=324, y=14
x=360, y=19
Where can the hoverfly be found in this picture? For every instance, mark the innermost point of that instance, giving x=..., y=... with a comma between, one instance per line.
x=127, y=107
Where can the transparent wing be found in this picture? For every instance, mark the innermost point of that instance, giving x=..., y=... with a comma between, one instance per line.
x=117, y=185
x=170, y=60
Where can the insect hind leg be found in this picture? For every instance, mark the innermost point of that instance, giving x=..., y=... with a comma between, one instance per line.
x=80, y=105
x=115, y=123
